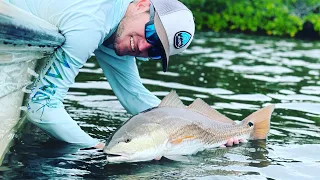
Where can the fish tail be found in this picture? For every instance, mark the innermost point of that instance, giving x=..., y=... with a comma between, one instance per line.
x=260, y=120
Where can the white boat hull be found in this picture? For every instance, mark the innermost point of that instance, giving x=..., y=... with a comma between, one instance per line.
x=25, y=42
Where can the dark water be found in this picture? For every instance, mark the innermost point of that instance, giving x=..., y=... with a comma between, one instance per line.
x=235, y=74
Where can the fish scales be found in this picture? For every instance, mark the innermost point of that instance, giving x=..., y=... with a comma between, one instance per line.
x=210, y=136
x=180, y=123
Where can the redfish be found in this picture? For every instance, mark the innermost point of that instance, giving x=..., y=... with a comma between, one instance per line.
x=173, y=130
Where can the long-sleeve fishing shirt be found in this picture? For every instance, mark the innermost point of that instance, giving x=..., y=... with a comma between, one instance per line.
x=85, y=24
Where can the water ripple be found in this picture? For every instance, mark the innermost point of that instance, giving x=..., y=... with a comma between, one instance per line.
x=236, y=74
x=303, y=107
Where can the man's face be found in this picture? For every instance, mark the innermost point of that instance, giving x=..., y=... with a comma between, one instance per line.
x=130, y=35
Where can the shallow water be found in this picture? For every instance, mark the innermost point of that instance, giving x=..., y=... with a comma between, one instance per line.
x=236, y=74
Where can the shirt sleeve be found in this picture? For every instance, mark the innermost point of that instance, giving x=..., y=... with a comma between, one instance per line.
x=45, y=108
x=82, y=38
x=123, y=77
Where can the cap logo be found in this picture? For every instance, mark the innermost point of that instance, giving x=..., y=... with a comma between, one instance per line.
x=181, y=39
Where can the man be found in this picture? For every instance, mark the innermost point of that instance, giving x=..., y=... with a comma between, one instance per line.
x=116, y=31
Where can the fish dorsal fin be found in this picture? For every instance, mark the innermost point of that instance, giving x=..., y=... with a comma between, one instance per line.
x=203, y=108
x=172, y=100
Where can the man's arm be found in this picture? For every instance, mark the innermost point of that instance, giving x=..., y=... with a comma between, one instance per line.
x=45, y=107
x=123, y=76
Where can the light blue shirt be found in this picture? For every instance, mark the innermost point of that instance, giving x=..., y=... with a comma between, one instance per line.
x=85, y=25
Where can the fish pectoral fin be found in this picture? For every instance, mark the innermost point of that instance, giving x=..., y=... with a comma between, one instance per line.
x=180, y=139
x=177, y=158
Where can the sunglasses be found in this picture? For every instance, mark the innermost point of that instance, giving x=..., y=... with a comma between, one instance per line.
x=155, y=52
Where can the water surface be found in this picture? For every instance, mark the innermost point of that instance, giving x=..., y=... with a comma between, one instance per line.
x=236, y=74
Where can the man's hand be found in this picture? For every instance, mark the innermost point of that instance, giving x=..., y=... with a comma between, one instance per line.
x=100, y=145
x=233, y=141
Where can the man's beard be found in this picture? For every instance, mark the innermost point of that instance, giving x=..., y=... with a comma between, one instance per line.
x=117, y=39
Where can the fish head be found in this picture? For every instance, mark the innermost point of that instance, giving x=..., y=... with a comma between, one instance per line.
x=136, y=143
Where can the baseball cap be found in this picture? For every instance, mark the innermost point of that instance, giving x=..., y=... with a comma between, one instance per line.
x=175, y=27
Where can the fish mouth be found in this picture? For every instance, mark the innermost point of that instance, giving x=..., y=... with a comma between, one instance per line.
x=113, y=155
x=116, y=157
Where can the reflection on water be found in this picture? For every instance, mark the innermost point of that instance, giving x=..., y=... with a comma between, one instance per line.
x=235, y=74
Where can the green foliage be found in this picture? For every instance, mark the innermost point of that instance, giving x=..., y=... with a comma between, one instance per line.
x=315, y=20
x=274, y=17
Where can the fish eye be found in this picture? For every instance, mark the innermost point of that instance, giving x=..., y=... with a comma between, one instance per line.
x=127, y=140
x=250, y=124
